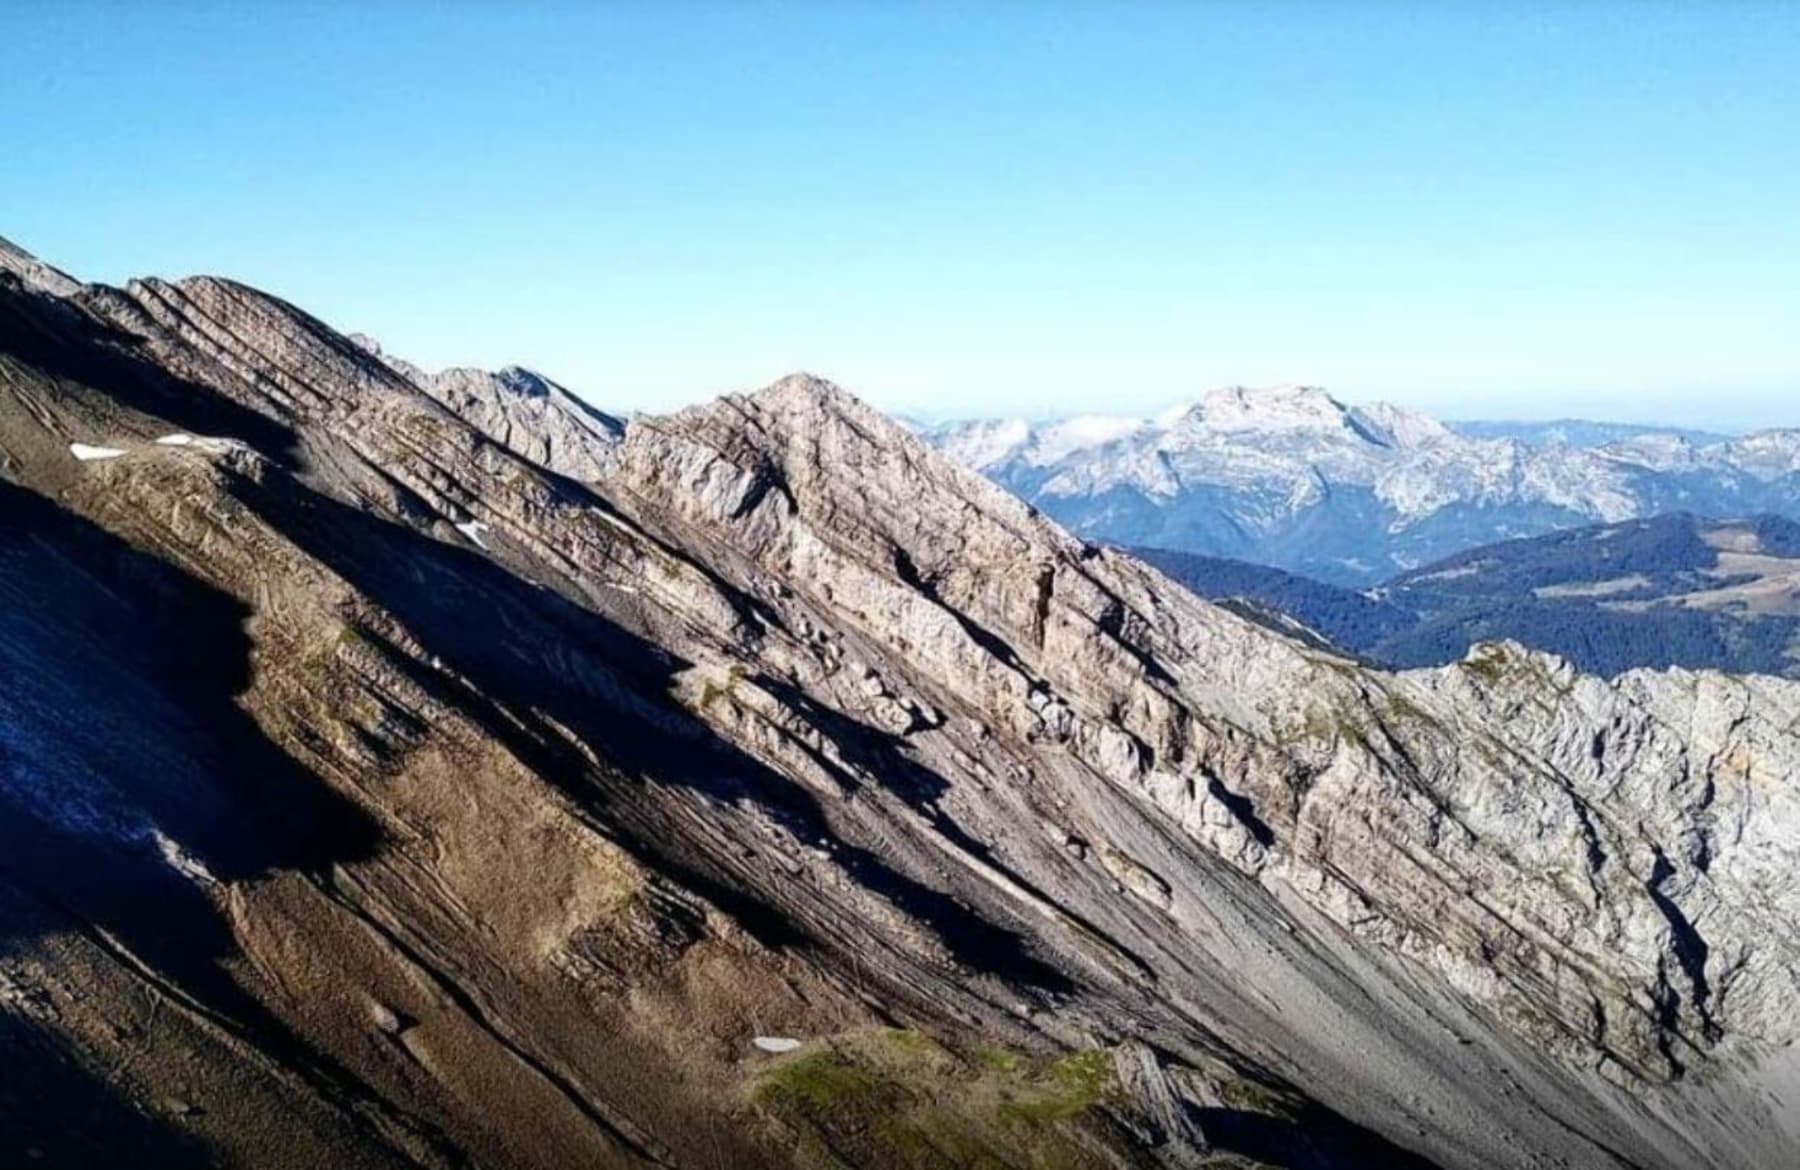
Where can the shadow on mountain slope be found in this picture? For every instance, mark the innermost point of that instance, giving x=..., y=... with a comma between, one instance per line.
x=60, y=342
x=130, y=776
x=122, y=740
x=122, y=688
x=525, y=649
x=56, y=1115
x=1317, y=1139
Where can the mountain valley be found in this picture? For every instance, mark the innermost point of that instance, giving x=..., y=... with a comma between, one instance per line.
x=1670, y=591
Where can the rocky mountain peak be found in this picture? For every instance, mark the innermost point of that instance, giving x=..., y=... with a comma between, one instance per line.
x=367, y=344
x=1768, y=455
x=524, y=382
x=526, y=412
x=34, y=272
x=803, y=395
x=1401, y=428
x=770, y=784
x=1245, y=408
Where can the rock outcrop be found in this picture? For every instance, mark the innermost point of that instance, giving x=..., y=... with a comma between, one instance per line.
x=375, y=791
x=524, y=412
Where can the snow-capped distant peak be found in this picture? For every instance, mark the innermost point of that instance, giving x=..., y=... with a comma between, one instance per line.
x=985, y=443
x=1272, y=408
x=1294, y=475
x=1275, y=409
x=1398, y=427
x=1765, y=454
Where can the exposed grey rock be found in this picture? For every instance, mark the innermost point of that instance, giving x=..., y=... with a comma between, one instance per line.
x=787, y=725
x=1274, y=757
x=529, y=414
x=1173, y=1133
x=34, y=272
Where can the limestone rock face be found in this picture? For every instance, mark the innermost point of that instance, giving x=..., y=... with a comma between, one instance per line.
x=1546, y=840
x=468, y=792
x=34, y=273
x=528, y=414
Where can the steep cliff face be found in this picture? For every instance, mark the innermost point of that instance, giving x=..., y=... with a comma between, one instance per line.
x=379, y=793
x=1507, y=821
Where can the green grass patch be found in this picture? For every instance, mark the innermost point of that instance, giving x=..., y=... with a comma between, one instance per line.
x=821, y=1083
x=1001, y=1060
x=898, y=1098
x=1062, y=1089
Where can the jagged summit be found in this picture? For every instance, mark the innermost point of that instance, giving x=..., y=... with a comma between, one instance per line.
x=527, y=383
x=803, y=393
x=530, y=414
x=34, y=272
x=774, y=785
x=806, y=411
x=1290, y=407
x=806, y=429
x=808, y=386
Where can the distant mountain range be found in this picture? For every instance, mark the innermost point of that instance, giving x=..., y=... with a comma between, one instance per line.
x=1294, y=478
x=1576, y=432
x=1673, y=590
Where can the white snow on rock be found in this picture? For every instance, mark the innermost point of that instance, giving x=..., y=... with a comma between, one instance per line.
x=208, y=443
x=180, y=860
x=473, y=530
x=88, y=454
x=776, y=1044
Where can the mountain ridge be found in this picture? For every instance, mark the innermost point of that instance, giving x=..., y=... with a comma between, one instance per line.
x=801, y=731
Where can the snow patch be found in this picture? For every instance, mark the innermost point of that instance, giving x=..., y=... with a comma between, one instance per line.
x=1277, y=408
x=473, y=530
x=180, y=860
x=776, y=1044
x=88, y=454
x=207, y=443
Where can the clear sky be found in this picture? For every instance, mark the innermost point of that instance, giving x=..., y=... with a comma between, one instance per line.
x=1479, y=209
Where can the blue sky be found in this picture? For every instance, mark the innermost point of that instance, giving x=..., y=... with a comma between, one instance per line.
x=1478, y=209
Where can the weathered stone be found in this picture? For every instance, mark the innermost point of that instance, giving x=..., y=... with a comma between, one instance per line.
x=785, y=725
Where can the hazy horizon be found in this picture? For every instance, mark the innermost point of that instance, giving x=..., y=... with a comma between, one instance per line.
x=929, y=418
x=1528, y=212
